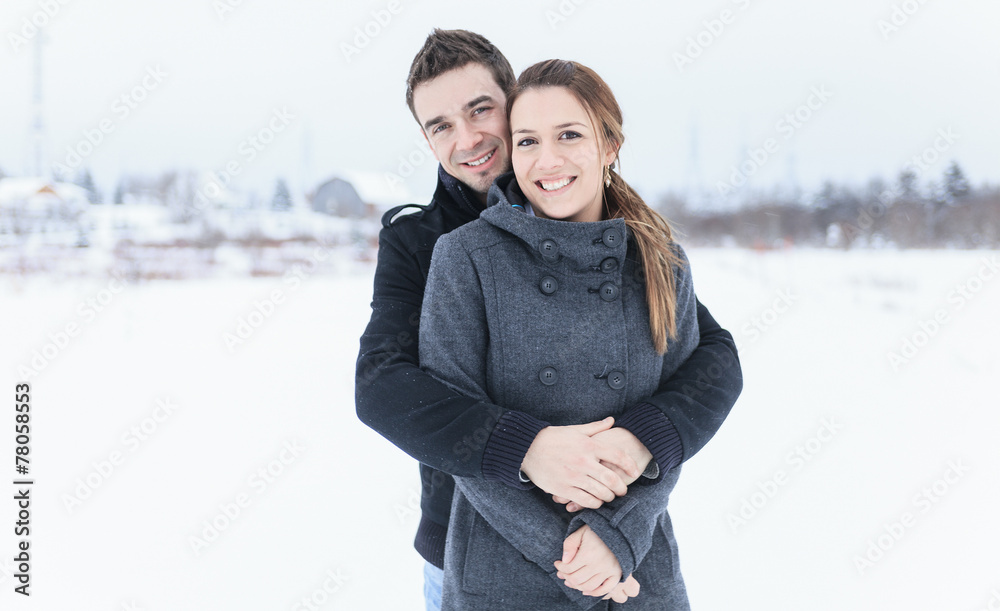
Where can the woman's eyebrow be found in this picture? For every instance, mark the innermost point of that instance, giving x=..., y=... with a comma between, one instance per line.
x=560, y=126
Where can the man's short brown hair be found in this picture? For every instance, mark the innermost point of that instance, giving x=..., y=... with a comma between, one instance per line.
x=446, y=50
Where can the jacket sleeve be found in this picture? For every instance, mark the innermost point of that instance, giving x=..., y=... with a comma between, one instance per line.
x=626, y=524
x=421, y=415
x=690, y=406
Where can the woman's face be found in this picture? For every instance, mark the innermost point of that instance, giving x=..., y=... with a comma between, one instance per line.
x=558, y=157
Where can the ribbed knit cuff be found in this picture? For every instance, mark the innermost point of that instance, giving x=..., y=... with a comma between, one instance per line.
x=429, y=541
x=507, y=445
x=657, y=433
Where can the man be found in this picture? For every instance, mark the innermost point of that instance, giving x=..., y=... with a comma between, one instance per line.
x=456, y=91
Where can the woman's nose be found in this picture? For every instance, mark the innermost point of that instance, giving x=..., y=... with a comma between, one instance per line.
x=549, y=158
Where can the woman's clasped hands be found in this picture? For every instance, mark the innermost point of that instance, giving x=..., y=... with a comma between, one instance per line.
x=588, y=565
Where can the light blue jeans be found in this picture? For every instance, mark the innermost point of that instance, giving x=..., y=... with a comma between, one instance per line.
x=433, y=578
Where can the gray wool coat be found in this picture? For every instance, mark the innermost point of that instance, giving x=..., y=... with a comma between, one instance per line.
x=550, y=318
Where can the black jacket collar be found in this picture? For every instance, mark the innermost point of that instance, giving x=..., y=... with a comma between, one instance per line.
x=452, y=193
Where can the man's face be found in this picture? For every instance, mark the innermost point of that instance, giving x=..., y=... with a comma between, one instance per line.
x=462, y=116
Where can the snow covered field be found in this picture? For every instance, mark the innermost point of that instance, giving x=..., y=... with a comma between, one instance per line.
x=177, y=468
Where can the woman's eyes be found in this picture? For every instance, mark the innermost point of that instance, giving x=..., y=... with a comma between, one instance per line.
x=562, y=136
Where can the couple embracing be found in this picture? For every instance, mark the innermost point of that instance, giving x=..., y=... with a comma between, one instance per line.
x=537, y=345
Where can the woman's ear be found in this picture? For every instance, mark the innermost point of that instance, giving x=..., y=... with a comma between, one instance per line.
x=610, y=152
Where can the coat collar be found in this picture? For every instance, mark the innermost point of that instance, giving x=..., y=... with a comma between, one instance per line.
x=462, y=199
x=584, y=244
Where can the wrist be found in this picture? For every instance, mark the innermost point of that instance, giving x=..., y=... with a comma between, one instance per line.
x=507, y=446
x=656, y=433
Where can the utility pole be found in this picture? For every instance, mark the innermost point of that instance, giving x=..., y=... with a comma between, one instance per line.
x=37, y=158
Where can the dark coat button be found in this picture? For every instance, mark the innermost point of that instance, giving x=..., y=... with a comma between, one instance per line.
x=616, y=380
x=611, y=237
x=609, y=291
x=548, y=285
x=609, y=265
x=549, y=250
x=548, y=376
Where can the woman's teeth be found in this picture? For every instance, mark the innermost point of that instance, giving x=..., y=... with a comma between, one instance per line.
x=552, y=186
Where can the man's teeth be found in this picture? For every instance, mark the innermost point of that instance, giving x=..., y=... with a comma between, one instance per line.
x=552, y=186
x=481, y=160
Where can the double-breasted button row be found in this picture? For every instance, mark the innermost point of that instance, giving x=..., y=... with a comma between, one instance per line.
x=608, y=291
x=549, y=375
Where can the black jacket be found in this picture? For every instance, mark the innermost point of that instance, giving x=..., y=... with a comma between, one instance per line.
x=453, y=434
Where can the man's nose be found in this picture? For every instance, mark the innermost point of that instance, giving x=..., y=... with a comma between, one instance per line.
x=468, y=137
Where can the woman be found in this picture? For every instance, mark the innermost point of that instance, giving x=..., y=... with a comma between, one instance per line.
x=568, y=300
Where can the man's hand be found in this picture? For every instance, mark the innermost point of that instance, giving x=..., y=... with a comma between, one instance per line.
x=588, y=565
x=624, y=591
x=622, y=439
x=572, y=463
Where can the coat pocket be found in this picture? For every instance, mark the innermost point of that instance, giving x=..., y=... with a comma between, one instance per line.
x=496, y=569
x=479, y=573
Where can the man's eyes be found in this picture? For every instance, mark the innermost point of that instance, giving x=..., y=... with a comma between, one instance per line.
x=475, y=112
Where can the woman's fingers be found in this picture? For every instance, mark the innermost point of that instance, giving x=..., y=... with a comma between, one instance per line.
x=619, y=595
x=590, y=581
x=605, y=587
x=631, y=587
x=571, y=546
x=624, y=591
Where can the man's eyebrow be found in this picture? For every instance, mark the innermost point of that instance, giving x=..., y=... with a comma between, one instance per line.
x=469, y=106
x=478, y=101
x=433, y=121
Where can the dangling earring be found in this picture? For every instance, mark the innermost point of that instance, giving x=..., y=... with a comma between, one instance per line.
x=607, y=175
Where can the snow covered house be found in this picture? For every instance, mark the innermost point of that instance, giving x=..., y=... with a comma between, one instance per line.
x=33, y=205
x=363, y=194
x=338, y=197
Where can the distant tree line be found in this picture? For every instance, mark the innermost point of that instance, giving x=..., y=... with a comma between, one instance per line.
x=948, y=213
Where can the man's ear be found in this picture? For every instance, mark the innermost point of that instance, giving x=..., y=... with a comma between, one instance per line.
x=433, y=152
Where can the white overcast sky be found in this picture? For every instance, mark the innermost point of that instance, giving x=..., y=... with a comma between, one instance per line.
x=227, y=74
